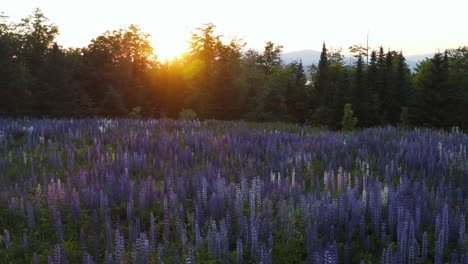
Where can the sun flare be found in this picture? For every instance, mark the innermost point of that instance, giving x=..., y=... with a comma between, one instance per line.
x=169, y=50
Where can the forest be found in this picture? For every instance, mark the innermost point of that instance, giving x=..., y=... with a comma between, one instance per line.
x=118, y=75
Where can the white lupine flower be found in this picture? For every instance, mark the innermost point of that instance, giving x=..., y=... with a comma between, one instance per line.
x=293, y=177
x=25, y=158
x=384, y=194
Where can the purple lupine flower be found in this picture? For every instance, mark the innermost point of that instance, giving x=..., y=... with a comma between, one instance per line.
x=58, y=227
x=35, y=259
x=108, y=259
x=119, y=247
x=130, y=210
x=75, y=200
x=86, y=259
x=82, y=239
x=141, y=249
x=25, y=242
x=439, y=248
x=239, y=250
x=461, y=233
x=331, y=255
x=383, y=235
x=424, y=246
x=59, y=255
x=109, y=236
x=166, y=229
x=30, y=213
x=152, y=234
x=190, y=259
x=198, y=237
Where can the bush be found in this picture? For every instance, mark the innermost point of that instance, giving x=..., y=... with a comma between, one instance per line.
x=135, y=113
x=349, y=121
x=187, y=114
x=404, y=116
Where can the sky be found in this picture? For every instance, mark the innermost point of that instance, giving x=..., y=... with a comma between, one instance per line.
x=413, y=26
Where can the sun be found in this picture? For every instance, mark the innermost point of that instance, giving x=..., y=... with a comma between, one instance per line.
x=169, y=50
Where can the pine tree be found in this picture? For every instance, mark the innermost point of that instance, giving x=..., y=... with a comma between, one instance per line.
x=381, y=85
x=433, y=93
x=296, y=94
x=372, y=87
x=361, y=98
x=322, y=84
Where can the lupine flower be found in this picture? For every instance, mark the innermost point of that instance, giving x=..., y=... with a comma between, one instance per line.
x=86, y=259
x=7, y=239
x=25, y=242
x=35, y=259
x=239, y=251
x=424, y=246
x=30, y=213
x=119, y=247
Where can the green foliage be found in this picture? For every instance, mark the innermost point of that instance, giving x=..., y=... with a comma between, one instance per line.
x=349, y=121
x=187, y=114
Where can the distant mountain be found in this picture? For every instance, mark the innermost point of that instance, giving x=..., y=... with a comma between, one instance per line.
x=310, y=57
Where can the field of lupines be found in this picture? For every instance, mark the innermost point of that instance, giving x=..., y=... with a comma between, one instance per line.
x=153, y=191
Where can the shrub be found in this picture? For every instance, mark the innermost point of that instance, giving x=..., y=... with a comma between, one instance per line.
x=187, y=114
x=349, y=121
x=135, y=113
x=404, y=116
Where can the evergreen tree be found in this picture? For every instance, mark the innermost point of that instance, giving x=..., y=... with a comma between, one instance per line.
x=321, y=83
x=381, y=85
x=373, y=89
x=401, y=90
x=360, y=96
x=433, y=92
x=296, y=94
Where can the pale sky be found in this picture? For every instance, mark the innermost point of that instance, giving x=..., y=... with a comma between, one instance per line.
x=414, y=26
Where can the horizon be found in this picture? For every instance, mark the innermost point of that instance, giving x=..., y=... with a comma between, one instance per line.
x=170, y=24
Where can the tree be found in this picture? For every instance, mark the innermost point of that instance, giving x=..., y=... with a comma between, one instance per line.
x=373, y=89
x=274, y=91
x=431, y=80
x=271, y=57
x=321, y=81
x=296, y=93
x=121, y=59
x=361, y=98
x=381, y=85
x=402, y=89
x=458, y=84
x=212, y=70
x=37, y=36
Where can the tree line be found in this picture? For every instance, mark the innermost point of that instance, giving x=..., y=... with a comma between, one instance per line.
x=118, y=74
